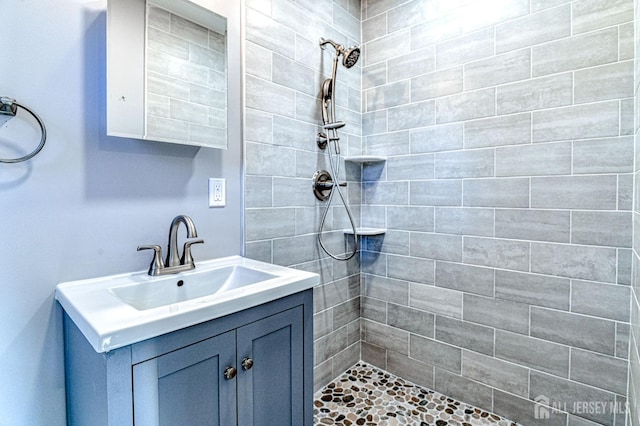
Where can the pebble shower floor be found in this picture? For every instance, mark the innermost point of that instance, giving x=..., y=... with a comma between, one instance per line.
x=365, y=395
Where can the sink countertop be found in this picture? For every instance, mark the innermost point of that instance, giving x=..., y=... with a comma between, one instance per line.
x=109, y=323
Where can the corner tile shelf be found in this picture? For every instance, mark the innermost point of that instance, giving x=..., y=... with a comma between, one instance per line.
x=366, y=159
x=362, y=159
x=365, y=231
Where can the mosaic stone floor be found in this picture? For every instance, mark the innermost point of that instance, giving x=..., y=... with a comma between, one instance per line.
x=365, y=395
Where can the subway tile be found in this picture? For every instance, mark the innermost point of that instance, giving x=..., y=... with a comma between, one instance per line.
x=437, y=300
x=259, y=250
x=374, y=122
x=410, y=218
x=374, y=27
x=498, y=313
x=560, y=392
x=371, y=9
x=534, y=160
x=462, y=389
x=533, y=353
x=548, y=25
x=465, y=164
x=373, y=309
x=465, y=49
x=410, y=269
x=625, y=192
x=622, y=340
x=269, y=34
x=613, y=81
x=574, y=192
x=410, y=13
x=437, y=84
x=609, y=155
x=436, y=246
x=327, y=346
x=498, y=69
x=346, y=313
x=442, y=137
x=386, y=193
x=435, y=353
x=496, y=131
x=503, y=192
x=372, y=354
x=374, y=75
x=294, y=133
x=436, y=192
x=495, y=373
x=627, y=116
x=388, y=95
x=342, y=20
x=537, y=5
x=465, y=334
x=464, y=221
x=466, y=106
x=394, y=242
x=600, y=371
x=465, y=278
x=409, y=166
x=589, y=15
x=289, y=73
x=624, y=266
x=601, y=300
x=523, y=410
x=258, y=192
x=496, y=253
x=538, y=93
x=413, y=64
x=576, y=52
x=537, y=225
x=332, y=293
x=601, y=228
x=386, y=289
x=410, y=116
x=413, y=320
x=396, y=143
x=573, y=261
x=626, y=43
x=533, y=289
x=293, y=250
x=269, y=223
x=380, y=49
x=266, y=96
x=415, y=371
x=269, y=160
x=572, y=329
x=474, y=14
x=386, y=337
x=443, y=27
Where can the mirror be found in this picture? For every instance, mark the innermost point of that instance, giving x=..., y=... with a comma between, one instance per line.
x=168, y=63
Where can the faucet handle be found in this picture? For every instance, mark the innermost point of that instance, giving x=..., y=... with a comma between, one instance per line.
x=187, y=259
x=156, y=264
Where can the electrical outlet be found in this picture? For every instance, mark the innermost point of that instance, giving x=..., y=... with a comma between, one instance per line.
x=217, y=192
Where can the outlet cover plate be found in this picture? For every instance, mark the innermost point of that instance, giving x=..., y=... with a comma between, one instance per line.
x=217, y=192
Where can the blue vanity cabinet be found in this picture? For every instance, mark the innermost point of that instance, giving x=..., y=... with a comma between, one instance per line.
x=251, y=368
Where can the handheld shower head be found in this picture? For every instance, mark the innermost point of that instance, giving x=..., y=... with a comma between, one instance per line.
x=349, y=56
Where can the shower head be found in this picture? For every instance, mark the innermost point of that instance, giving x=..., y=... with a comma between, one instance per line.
x=349, y=55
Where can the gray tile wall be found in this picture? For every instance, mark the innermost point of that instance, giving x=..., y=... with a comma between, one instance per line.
x=186, y=80
x=634, y=338
x=285, y=68
x=507, y=194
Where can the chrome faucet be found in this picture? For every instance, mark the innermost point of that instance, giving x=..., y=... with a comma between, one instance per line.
x=174, y=262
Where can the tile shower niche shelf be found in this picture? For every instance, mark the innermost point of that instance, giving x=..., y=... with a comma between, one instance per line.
x=366, y=232
x=363, y=159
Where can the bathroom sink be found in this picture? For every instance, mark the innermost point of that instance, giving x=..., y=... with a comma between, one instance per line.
x=120, y=310
x=176, y=289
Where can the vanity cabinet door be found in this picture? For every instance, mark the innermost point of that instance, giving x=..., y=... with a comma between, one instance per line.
x=187, y=386
x=270, y=370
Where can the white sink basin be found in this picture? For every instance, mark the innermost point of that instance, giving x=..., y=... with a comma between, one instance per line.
x=119, y=310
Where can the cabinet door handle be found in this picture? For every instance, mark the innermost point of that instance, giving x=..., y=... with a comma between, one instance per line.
x=247, y=363
x=230, y=373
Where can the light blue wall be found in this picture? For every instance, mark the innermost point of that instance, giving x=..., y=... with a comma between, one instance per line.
x=80, y=208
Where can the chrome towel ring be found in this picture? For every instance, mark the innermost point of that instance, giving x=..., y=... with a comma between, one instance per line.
x=9, y=107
